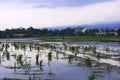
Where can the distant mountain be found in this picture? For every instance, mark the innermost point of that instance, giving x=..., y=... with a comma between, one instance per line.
x=104, y=25
x=108, y=25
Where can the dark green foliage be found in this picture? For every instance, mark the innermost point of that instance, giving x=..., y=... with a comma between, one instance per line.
x=6, y=54
x=23, y=46
x=31, y=32
x=16, y=45
x=3, y=45
x=19, y=59
x=88, y=61
x=118, y=32
x=49, y=56
x=37, y=59
x=70, y=57
x=38, y=48
x=30, y=47
x=98, y=56
x=6, y=46
x=107, y=49
x=72, y=49
x=65, y=46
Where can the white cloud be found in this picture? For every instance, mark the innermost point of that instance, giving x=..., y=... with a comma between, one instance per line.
x=21, y=15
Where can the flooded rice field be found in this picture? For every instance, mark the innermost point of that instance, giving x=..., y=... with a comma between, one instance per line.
x=59, y=61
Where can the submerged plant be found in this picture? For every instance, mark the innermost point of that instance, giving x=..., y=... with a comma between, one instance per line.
x=41, y=62
x=92, y=76
x=30, y=78
x=0, y=58
x=57, y=56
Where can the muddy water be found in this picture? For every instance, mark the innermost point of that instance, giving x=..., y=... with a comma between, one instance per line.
x=59, y=68
x=56, y=69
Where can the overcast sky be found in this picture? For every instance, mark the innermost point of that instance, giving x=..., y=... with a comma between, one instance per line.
x=40, y=13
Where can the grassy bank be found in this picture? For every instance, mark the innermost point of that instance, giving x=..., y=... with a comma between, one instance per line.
x=82, y=38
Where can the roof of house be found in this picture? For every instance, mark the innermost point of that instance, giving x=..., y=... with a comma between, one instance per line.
x=19, y=35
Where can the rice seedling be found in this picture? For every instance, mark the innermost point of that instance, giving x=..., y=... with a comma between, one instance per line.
x=107, y=49
x=24, y=47
x=6, y=54
x=19, y=59
x=38, y=48
x=98, y=56
x=2, y=47
x=72, y=48
x=37, y=59
x=50, y=56
x=30, y=47
x=16, y=46
x=70, y=57
x=88, y=61
x=6, y=47
x=65, y=47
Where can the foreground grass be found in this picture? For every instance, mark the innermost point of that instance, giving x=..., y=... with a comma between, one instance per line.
x=82, y=38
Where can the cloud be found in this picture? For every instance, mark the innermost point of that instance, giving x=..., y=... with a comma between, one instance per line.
x=24, y=15
x=56, y=3
x=63, y=3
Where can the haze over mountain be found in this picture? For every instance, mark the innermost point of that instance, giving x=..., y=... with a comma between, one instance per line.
x=103, y=25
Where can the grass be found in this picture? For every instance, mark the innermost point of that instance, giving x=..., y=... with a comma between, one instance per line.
x=82, y=38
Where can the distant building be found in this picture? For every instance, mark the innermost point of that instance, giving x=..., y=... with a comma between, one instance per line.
x=80, y=30
x=105, y=33
x=19, y=35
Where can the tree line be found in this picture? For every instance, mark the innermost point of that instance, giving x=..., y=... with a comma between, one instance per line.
x=32, y=32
